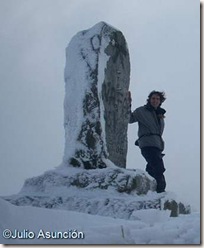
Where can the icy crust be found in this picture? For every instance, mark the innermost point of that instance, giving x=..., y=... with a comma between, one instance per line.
x=116, y=179
x=84, y=74
x=114, y=192
x=107, y=192
x=116, y=207
x=82, y=55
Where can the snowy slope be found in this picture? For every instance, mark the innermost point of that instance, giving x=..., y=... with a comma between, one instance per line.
x=151, y=227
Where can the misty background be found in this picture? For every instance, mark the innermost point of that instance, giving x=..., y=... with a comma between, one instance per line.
x=163, y=38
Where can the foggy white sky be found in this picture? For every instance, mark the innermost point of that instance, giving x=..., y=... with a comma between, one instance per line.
x=164, y=45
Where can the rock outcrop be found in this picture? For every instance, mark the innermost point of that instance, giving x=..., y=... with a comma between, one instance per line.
x=97, y=76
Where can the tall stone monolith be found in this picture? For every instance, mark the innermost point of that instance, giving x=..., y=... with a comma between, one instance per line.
x=97, y=74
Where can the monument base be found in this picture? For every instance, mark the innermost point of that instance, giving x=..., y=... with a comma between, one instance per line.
x=111, y=191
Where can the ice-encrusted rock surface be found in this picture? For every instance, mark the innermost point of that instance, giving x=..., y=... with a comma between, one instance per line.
x=120, y=180
x=110, y=191
x=97, y=74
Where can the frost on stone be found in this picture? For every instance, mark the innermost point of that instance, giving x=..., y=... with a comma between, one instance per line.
x=97, y=76
x=112, y=192
x=118, y=179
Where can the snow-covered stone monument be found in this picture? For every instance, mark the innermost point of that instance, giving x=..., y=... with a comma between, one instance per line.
x=97, y=75
x=92, y=177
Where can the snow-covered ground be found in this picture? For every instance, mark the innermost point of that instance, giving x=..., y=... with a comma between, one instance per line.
x=151, y=226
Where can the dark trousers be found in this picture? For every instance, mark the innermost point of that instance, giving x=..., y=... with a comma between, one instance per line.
x=155, y=166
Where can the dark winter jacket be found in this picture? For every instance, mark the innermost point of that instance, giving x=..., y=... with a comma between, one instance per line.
x=151, y=126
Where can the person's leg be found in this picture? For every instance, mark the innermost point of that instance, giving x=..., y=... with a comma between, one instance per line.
x=148, y=155
x=155, y=166
x=161, y=184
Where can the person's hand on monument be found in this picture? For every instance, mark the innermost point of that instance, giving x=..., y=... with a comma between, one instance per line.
x=129, y=98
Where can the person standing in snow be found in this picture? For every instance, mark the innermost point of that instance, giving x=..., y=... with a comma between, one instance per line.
x=150, y=118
